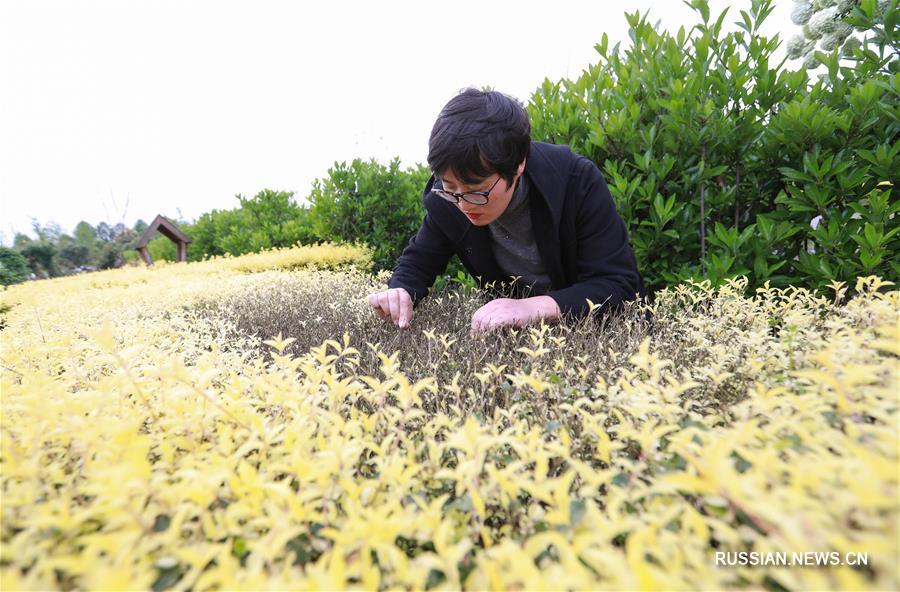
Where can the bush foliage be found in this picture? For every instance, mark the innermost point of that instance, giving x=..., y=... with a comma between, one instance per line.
x=723, y=163
x=370, y=202
x=13, y=267
x=268, y=220
x=347, y=454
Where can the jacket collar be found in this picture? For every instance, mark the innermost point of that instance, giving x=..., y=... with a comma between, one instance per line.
x=544, y=175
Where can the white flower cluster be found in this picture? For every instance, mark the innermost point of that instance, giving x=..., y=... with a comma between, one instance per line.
x=797, y=47
x=802, y=12
x=823, y=22
x=836, y=38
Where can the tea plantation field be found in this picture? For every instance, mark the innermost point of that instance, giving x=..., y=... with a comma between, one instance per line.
x=248, y=423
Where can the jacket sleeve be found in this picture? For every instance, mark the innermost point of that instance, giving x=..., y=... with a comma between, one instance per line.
x=426, y=256
x=607, y=271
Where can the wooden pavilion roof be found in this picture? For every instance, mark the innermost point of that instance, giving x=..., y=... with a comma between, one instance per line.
x=167, y=228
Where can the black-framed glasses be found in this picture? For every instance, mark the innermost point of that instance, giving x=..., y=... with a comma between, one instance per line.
x=478, y=198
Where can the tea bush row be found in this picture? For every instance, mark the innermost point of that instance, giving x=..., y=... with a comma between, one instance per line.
x=156, y=435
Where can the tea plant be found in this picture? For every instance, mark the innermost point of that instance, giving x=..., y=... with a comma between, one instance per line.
x=194, y=426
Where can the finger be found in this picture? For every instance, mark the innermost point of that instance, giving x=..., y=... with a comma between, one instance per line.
x=372, y=300
x=394, y=300
x=405, y=309
x=383, y=307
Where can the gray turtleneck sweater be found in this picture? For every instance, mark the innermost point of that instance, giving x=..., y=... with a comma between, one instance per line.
x=514, y=245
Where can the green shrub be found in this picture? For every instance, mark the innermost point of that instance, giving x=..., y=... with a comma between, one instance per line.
x=368, y=201
x=162, y=248
x=270, y=219
x=212, y=233
x=724, y=164
x=41, y=258
x=13, y=267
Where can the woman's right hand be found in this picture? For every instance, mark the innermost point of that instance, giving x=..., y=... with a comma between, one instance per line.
x=393, y=305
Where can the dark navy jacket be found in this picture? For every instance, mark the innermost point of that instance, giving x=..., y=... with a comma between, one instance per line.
x=580, y=236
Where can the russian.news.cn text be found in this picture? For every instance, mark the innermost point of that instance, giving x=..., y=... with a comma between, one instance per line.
x=790, y=559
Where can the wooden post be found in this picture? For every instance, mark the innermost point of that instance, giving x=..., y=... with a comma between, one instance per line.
x=145, y=255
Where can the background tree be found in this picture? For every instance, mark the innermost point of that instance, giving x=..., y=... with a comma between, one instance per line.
x=41, y=257
x=49, y=232
x=211, y=233
x=20, y=241
x=274, y=218
x=75, y=256
x=107, y=232
x=13, y=267
x=85, y=234
x=369, y=202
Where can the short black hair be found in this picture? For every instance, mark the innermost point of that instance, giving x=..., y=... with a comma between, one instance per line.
x=479, y=133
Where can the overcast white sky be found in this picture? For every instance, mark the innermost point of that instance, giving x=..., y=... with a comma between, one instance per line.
x=176, y=106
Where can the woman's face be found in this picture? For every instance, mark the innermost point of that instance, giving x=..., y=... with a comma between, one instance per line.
x=498, y=198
